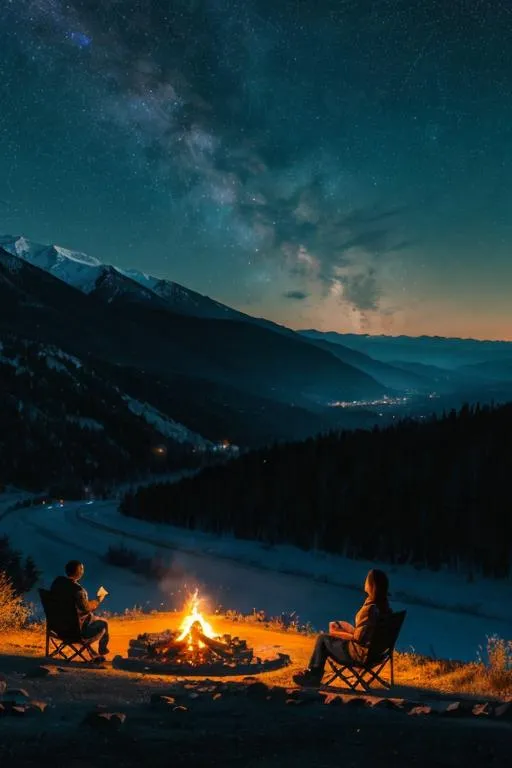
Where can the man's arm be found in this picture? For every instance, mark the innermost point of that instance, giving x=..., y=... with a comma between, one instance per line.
x=83, y=603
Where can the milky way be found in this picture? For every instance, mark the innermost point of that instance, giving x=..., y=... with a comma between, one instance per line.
x=342, y=164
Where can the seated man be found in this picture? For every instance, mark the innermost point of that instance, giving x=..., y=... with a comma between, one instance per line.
x=67, y=587
x=346, y=643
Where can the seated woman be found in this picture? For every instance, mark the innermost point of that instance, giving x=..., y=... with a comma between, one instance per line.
x=345, y=642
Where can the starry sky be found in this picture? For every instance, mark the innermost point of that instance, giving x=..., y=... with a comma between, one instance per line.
x=338, y=164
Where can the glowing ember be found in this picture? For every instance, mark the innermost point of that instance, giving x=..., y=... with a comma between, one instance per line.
x=187, y=628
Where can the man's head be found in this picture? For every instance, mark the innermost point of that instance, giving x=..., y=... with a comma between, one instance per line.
x=74, y=570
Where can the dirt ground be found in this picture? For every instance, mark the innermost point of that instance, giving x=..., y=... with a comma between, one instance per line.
x=224, y=722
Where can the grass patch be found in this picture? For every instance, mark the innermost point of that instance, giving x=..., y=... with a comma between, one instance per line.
x=285, y=622
x=14, y=613
x=154, y=568
x=489, y=676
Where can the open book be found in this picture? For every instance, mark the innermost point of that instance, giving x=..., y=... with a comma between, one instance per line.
x=101, y=593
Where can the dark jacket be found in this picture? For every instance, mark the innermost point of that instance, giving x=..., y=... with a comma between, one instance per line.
x=364, y=626
x=68, y=590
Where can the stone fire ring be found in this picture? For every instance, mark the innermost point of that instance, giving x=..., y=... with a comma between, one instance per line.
x=215, y=669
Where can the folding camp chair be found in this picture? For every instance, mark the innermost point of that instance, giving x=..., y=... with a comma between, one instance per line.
x=63, y=636
x=380, y=653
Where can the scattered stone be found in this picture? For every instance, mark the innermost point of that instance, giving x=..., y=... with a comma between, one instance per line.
x=15, y=693
x=293, y=702
x=333, y=700
x=356, y=701
x=422, y=709
x=3, y=687
x=458, y=709
x=217, y=696
x=257, y=690
x=37, y=707
x=394, y=704
x=504, y=711
x=180, y=709
x=193, y=695
x=482, y=710
x=158, y=698
x=109, y=721
x=18, y=710
x=42, y=671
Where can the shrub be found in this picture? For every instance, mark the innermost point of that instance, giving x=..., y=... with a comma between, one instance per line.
x=14, y=613
x=153, y=568
x=498, y=663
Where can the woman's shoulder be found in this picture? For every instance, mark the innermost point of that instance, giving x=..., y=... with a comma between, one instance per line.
x=372, y=609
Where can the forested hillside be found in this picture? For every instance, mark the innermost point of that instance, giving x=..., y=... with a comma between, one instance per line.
x=63, y=426
x=432, y=493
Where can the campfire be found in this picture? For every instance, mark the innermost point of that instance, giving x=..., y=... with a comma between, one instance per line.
x=195, y=648
x=194, y=644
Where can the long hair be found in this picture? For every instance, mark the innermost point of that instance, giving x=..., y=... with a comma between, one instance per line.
x=378, y=585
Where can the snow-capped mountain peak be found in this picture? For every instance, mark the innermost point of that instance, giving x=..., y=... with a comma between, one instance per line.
x=73, y=267
x=89, y=275
x=148, y=281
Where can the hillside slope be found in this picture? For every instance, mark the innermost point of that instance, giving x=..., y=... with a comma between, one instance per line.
x=121, y=328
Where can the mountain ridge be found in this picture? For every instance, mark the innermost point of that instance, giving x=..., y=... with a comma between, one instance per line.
x=280, y=384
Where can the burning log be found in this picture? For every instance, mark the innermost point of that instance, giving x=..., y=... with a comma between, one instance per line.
x=195, y=649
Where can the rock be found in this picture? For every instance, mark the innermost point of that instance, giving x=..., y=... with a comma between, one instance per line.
x=42, y=671
x=421, y=709
x=311, y=697
x=333, y=701
x=293, y=702
x=257, y=690
x=37, y=707
x=394, y=704
x=217, y=696
x=180, y=709
x=3, y=687
x=15, y=696
x=503, y=711
x=482, y=710
x=18, y=710
x=109, y=721
x=458, y=709
x=166, y=701
x=16, y=693
x=356, y=701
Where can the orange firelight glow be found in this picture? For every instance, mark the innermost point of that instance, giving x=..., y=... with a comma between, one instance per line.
x=194, y=617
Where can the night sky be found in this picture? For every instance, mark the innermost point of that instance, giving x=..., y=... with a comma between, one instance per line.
x=344, y=164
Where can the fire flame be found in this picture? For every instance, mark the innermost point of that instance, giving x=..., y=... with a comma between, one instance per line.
x=194, y=616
